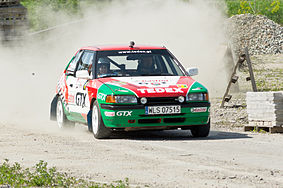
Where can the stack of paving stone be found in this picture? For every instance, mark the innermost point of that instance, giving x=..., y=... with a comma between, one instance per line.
x=265, y=109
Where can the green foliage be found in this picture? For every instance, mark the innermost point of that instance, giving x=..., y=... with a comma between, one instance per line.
x=273, y=9
x=41, y=176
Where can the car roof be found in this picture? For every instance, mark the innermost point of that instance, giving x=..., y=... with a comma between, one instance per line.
x=121, y=47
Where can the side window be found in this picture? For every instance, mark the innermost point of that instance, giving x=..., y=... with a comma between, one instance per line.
x=167, y=68
x=178, y=69
x=86, y=61
x=73, y=63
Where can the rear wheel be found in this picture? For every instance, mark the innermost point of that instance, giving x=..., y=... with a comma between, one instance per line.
x=201, y=130
x=98, y=128
x=62, y=120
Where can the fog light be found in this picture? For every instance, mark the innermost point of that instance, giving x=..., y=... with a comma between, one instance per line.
x=143, y=100
x=181, y=99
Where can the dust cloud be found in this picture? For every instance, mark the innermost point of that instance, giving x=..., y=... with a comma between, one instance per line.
x=30, y=69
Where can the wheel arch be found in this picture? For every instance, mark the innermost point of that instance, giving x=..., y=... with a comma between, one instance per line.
x=91, y=103
x=89, y=118
x=53, y=108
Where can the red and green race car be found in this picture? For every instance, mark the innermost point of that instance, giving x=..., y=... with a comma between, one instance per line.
x=125, y=88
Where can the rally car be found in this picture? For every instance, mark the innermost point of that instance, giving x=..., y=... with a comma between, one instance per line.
x=124, y=88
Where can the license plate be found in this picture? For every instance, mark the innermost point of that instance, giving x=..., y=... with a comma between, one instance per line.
x=162, y=110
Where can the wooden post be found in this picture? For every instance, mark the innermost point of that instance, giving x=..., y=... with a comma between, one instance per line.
x=241, y=60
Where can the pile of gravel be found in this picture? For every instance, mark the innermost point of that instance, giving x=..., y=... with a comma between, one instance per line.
x=260, y=34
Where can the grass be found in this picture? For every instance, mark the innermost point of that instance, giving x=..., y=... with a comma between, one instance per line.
x=258, y=130
x=14, y=175
x=269, y=80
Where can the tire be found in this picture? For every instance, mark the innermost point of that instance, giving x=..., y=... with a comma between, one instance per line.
x=201, y=130
x=62, y=120
x=98, y=128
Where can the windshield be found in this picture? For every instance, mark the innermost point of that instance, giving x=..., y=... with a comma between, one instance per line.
x=137, y=63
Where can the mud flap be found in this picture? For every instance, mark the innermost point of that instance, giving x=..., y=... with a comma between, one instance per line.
x=53, y=108
x=89, y=121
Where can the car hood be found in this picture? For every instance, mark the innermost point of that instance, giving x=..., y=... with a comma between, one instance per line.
x=153, y=86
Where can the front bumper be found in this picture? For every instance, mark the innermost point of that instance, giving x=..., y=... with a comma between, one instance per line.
x=133, y=116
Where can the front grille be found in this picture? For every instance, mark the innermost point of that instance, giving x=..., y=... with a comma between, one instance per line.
x=174, y=120
x=161, y=100
x=142, y=121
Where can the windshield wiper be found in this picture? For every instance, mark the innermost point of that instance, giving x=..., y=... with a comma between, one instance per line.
x=157, y=74
x=111, y=75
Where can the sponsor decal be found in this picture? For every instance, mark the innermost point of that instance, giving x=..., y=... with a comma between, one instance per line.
x=109, y=114
x=84, y=87
x=161, y=90
x=125, y=91
x=135, y=52
x=156, y=84
x=80, y=99
x=159, y=81
x=71, y=99
x=101, y=96
x=124, y=113
x=155, y=81
x=198, y=88
x=152, y=83
x=182, y=85
x=119, y=82
x=198, y=109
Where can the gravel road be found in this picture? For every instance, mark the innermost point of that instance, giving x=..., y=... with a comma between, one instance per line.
x=154, y=159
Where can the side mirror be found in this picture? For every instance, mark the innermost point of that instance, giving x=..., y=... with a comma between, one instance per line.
x=192, y=71
x=83, y=74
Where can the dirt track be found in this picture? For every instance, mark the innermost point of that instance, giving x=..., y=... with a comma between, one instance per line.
x=157, y=159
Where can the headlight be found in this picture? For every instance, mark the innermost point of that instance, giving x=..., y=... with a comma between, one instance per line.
x=197, y=97
x=121, y=99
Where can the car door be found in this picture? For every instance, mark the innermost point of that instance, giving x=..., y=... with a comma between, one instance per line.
x=81, y=98
x=70, y=82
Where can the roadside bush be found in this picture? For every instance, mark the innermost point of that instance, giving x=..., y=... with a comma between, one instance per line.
x=273, y=9
x=42, y=176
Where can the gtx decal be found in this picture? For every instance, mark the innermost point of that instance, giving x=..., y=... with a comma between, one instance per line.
x=124, y=113
x=101, y=96
x=80, y=99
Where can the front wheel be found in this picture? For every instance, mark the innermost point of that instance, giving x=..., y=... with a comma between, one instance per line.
x=201, y=130
x=98, y=128
x=62, y=120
